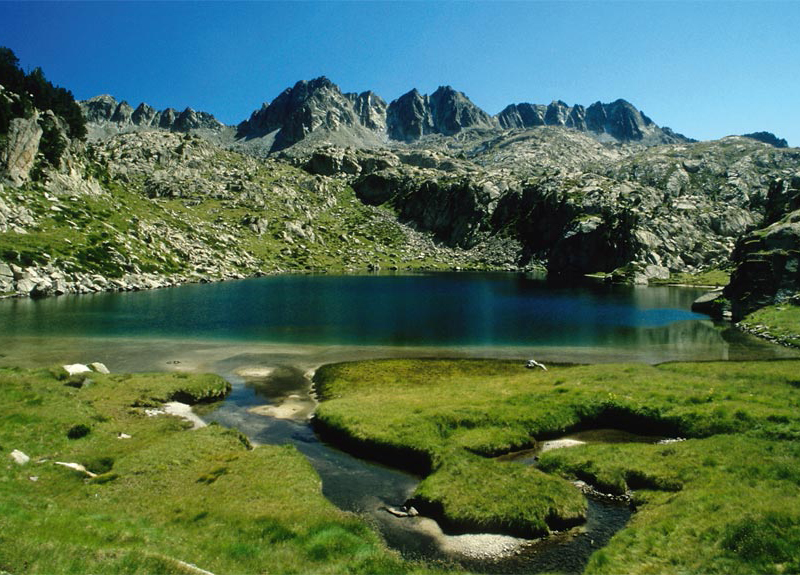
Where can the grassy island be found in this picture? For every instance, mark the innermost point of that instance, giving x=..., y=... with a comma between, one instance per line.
x=725, y=500
x=156, y=496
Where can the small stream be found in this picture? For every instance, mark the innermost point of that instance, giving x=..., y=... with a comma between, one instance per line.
x=366, y=488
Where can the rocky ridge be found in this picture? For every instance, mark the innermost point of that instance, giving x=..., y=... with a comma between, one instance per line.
x=316, y=112
x=106, y=116
x=618, y=121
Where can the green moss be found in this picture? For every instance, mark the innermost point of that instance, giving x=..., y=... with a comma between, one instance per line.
x=164, y=497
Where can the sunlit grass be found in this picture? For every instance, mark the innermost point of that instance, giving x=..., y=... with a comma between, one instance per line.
x=164, y=496
x=724, y=501
x=780, y=321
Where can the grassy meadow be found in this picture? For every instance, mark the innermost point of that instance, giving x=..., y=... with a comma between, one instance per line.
x=723, y=501
x=164, y=498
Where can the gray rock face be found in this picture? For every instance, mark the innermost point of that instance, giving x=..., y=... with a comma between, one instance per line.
x=99, y=109
x=452, y=112
x=522, y=116
x=445, y=112
x=408, y=117
x=370, y=110
x=19, y=155
x=768, y=138
x=295, y=112
x=145, y=115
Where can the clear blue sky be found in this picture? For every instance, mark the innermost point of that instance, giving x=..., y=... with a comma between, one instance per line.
x=706, y=69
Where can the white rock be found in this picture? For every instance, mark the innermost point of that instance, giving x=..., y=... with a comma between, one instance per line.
x=76, y=368
x=19, y=457
x=123, y=436
x=184, y=411
x=77, y=467
x=99, y=367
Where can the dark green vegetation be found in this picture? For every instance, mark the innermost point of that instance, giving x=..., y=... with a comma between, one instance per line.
x=165, y=496
x=724, y=501
x=35, y=91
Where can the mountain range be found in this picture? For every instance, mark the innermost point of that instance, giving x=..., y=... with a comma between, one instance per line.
x=317, y=110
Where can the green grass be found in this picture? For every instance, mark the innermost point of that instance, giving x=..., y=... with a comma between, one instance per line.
x=725, y=504
x=728, y=496
x=779, y=321
x=164, y=496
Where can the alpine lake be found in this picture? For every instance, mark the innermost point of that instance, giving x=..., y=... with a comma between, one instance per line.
x=268, y=336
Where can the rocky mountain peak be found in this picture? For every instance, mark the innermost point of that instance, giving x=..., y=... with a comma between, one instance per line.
x=452, y=112
x=446, y=111
x=768, y=138
x=408, y=117
x=312, y=106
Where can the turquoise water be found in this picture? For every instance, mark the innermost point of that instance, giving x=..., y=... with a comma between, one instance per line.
x=403, y=310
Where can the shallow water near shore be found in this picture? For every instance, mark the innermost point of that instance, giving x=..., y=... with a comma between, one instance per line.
x=267, y=337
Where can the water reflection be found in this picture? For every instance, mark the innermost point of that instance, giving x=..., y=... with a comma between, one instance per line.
x=430, y=309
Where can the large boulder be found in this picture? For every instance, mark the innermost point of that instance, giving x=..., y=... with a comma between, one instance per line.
x=22, y=145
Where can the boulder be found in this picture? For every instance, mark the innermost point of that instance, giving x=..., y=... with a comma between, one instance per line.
x=99, y=367
x=19, y=457
x=76, y=368
x=712, y=303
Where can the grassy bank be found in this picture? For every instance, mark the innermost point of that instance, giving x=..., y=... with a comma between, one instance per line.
x=778, y=322
x=163, y=497
x=728, y=495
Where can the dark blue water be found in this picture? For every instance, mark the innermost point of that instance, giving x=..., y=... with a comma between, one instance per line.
x=430, y=309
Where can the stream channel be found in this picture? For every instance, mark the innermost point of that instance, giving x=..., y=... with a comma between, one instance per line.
x=272, y=405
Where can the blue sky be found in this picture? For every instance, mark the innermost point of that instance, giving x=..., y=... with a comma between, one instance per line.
x=706, y=69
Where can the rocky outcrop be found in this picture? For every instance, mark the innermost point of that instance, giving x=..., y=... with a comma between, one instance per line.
x=22, y=145
x=767, y=267
x=104, y=111
x=768, y=138
x=522, y=116
x=768, y=260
